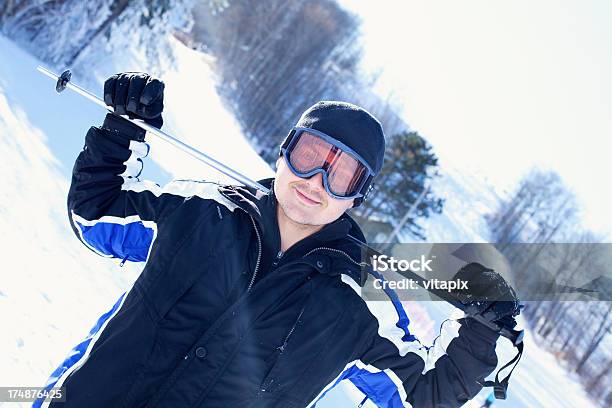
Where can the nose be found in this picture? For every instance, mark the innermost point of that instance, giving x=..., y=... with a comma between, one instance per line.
x=316, y=182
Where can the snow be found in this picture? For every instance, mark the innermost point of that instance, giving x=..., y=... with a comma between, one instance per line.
x=53, y=288
x=540, y=371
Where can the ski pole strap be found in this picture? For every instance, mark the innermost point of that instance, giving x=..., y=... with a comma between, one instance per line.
x=500, y=388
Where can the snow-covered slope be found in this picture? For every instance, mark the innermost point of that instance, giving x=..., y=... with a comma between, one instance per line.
x=52, y=288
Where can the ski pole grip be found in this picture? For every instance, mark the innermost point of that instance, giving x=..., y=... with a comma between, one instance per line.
x=515, y=336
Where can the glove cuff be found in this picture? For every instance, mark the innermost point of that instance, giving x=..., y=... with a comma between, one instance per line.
x=116, y=124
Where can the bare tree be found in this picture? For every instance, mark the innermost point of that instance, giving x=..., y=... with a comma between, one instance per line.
x=275, y=58
x=60, y=31
x=532, y=209
x=574, y=264
x=597, y=378
x=603, y=329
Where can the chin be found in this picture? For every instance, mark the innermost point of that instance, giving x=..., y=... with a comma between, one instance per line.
x=298, y=214
x=301, y=216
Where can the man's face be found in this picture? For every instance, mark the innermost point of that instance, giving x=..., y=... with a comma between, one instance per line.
x=305, y=201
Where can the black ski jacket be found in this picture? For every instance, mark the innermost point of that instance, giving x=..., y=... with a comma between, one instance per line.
x=219, y=317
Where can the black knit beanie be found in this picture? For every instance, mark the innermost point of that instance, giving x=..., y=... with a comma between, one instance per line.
x=349, y=124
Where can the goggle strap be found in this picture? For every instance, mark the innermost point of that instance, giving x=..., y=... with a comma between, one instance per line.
x=288, y=139
x=367, y=186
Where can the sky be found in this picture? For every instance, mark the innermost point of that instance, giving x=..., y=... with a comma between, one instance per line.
x=501, y=87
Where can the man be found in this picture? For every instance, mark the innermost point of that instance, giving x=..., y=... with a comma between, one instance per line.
x=249, y=299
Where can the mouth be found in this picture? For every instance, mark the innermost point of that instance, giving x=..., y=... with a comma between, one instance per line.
x=306, y=199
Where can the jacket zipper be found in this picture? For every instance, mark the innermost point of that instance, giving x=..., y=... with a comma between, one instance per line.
x=282, y=347
x=337, y=251
x=279, y=255
x=258, y=255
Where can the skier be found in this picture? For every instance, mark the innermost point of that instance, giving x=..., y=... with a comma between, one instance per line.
x=250, y=299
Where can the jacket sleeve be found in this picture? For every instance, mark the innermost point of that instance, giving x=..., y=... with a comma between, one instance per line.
x=447, y=374
x=110, y=210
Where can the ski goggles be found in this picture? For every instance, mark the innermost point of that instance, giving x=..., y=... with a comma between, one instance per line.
x=345, y=174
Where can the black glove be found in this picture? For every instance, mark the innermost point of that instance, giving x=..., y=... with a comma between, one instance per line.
x=488, y=294
x=489, y=298
x=137, y=95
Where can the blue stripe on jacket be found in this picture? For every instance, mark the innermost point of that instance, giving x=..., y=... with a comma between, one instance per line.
x=129, y=242
x=79, y=351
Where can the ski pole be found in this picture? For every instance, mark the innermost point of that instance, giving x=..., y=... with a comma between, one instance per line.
x=63, y=82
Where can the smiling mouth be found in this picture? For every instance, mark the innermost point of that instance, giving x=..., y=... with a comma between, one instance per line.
x=305, y=199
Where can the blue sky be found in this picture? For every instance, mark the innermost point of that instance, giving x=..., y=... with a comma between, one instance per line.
x=500, y=87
